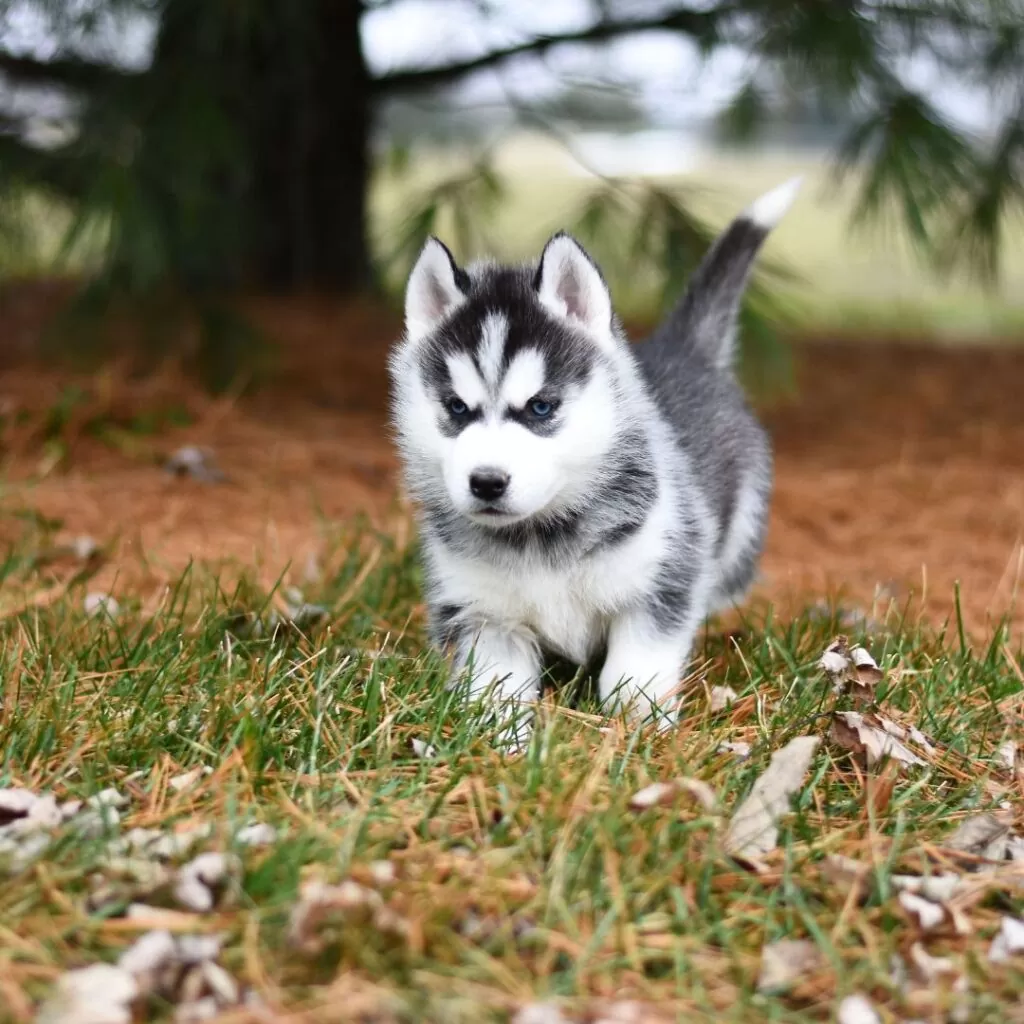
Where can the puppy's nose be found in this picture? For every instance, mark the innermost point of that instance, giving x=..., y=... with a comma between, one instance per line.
x=488, y=484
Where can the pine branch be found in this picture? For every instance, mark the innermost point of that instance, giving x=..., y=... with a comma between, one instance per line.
x=68, y=72
x=58, y=171
x=695, y=23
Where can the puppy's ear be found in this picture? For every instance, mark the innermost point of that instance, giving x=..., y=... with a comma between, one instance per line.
x=570, y=286
x=436, y=287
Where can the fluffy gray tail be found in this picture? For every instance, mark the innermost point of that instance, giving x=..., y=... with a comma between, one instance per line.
x=706, y=317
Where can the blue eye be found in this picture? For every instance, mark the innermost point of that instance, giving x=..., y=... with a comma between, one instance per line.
x=456, y=407
x=539, y=408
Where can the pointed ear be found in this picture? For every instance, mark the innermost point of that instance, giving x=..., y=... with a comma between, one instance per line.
x=436, y=286
x=569, y=284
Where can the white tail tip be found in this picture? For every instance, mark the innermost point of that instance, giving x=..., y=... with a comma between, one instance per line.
x=772, y=206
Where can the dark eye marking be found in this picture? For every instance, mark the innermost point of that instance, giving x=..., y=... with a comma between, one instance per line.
x=459, y=413
x=537, y=414
x=456, y=407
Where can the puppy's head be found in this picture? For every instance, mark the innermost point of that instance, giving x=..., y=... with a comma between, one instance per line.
x=506, y=383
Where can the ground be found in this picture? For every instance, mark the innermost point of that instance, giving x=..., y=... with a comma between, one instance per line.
x=898, y=468
x=405, y=870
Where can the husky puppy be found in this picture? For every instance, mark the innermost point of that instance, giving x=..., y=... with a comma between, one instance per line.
x=577, y=494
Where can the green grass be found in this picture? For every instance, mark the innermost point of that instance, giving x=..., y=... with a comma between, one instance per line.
x=515, y=879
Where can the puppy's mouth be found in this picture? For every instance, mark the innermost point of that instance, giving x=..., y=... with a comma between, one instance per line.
x=494, y=515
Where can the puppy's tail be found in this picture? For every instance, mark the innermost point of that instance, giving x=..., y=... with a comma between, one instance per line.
x=706, y=317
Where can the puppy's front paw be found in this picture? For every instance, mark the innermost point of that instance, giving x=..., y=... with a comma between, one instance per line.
x=647, y=691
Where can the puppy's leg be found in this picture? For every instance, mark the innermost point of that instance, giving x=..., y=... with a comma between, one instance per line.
x=646, y=662
x=504, y=668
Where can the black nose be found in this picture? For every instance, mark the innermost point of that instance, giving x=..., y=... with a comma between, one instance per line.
x=488, y=484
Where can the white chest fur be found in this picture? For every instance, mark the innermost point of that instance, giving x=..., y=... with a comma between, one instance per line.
x=568, y=608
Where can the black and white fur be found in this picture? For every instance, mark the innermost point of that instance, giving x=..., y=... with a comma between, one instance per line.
x=576, y=493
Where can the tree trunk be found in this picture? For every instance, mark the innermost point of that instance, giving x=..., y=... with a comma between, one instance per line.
x=264, y=183
x=310, y=150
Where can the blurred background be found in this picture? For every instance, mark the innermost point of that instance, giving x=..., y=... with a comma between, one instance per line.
x=208, y=207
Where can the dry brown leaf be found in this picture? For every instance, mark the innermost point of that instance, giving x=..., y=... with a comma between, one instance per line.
x=199, y=882
x=320, y=902
x=655, y=795
x=739, y=749
x=930, y=968
x=873, y=736
x=937, y=888
x=722, y=697
x=930, y=916
x=187, y=779
x=259, y=834
x=629, y=1012
x=540, y=1013
x=851, y=667
x=754, y=829
x=940, y=975
x=785, y=962
x=100, y=994
x=658, y=794
x=100, y=605
x=856, y=1009
x=982, y=835
x=423, y=750
x=1008, y=941
x=845, y=873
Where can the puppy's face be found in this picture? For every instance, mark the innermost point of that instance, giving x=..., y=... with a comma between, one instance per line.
x=505, y=397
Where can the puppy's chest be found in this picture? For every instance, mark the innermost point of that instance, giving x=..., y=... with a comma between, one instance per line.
x=568, y=609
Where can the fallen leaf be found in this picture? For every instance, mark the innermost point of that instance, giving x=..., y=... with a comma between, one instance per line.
x=148, y=958
x=100, y=994
x=629, y=1012
x=654, y=795
x=1008, y=941
x=739, y=749
x=856, y=1009
x=540, y=1013
x=785, y=962
x=197, y=1012
x=99, y=605
x=17, y=852
x=151, y=842
x=845, y=873
x=722, y=697
x=659, y=794
x=199, y=881
x=182, y=782
x=851, y=667
x=21, y=810
x=982, y=835
x=930, y=916
x=108, y=797
x=872, y=735
x=937, y=888
x=1006, y=755
x=84, y=547
x=753, y=829
x=423, y=750
x=319, y=902
x=198, y=463
x=382, y=872
x=700, y=791
x=259, y=834
x=930, y=968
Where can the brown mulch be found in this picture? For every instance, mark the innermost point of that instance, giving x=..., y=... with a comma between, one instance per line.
x=900, y=468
